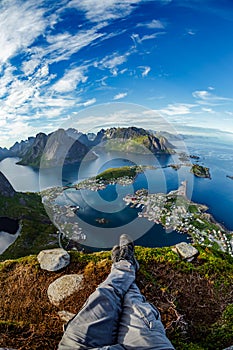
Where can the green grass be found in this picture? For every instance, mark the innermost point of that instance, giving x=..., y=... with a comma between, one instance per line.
x=115, y=173
x=134, y=145
x=193, y=209
x=206, y=306
x=37, y=231
x=200, y=171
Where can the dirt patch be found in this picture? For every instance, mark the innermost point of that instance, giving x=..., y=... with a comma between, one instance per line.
x=189, y=301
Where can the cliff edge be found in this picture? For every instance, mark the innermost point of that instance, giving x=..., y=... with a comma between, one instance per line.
x=6, y=188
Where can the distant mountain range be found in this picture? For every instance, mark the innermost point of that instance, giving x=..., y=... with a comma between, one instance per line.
x=70, y=146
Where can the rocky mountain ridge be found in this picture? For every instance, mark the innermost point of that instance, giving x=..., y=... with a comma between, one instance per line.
x=70, y=146
x=134, y=140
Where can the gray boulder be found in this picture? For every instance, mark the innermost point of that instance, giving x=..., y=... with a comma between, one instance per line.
x=63, y=287
x=53, y=259
x=65, y=316
x=186, y=251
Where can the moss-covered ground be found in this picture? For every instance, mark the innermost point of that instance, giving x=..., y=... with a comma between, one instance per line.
x=200, y=171
x=115, y=173
x=195, y=298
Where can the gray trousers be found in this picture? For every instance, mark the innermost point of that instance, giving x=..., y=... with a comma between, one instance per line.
x=116, y=317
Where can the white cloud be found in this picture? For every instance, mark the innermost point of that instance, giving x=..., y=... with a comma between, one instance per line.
x=63, y=46
x=120, y=95
x=138, y=40
x=152, y=36
x=208, y=110
x=154, y=24
x=70, y=80
x=89, y=102
x=42, y=72
x=177, y=109
x=202, y=94
x=15, y=131
x=108, y=117
x=19, y=93
x=229, y=113
x=145, y=71
x=191, y=32
x=29, y=66
x=120, y=114
x=49, y=113
x=2, y=123
x=6, y=80
x=206, y=97
x=112, y=61
x=21, y=22
x=104, y=10
x=55, y=102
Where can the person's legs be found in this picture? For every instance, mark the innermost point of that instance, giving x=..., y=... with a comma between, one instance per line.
x=140, y=324
x=96, y=324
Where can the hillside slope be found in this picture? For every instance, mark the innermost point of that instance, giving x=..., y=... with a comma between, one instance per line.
x=70, y=146
x=55, y=149
x=195, y=298
x=133, y=140
x=37, y=230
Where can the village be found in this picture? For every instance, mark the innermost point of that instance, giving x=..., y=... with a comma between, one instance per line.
x=175, y=212
x=64, y=216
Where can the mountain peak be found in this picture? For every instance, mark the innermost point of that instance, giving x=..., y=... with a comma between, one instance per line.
x=135, y=140
x=6, y=188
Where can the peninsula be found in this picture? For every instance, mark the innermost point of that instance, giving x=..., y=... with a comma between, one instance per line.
x=176, y=212
x=122, y=176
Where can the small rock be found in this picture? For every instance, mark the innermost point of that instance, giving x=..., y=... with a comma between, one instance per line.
x=63, y=287
x=65, y=316
x=53, y=259
x=186, y=251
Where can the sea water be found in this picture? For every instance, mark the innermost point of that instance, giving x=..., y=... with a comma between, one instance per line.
x=216, y=193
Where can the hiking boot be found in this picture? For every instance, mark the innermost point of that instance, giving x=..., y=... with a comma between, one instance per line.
x=127, y=251
x=115, y=253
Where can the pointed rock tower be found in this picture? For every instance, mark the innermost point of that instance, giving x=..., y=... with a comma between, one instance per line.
x=6, y=188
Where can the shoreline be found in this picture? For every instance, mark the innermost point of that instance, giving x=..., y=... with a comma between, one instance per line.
x=183, y=216
x=217, y=223
x=9, y=225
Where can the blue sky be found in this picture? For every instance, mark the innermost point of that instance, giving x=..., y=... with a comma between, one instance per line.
x=62, y=61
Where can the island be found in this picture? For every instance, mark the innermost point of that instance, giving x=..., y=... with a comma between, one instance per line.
x=200, y=171
x=175, y=166
x=102, y=221
x=192, y=156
